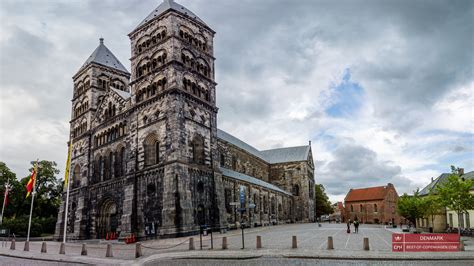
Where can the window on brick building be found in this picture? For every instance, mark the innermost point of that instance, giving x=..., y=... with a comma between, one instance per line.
x=352, y=208
x=375, y=207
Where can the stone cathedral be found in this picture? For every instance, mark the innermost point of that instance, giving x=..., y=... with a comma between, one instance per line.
x=148, y=157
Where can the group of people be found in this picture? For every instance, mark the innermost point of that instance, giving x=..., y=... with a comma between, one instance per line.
x=356, y=226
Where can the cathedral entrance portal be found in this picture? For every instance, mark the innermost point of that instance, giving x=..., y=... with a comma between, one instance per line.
x=107, y=221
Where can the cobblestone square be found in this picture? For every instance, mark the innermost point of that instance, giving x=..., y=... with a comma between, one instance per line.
x=309, y=236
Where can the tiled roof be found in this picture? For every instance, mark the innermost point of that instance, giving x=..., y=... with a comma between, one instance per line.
x=165, y=6
x=103, y=56
x=125, y=95
x=363, y=194
x=251, y=180
x=440, y=180
x=280, y=155
x=290, y=154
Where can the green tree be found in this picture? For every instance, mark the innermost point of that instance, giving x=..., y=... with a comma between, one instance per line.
x=321, y=200
x=47, y=200
x=432, y=206
x=411, y=207
x=455, y=194
x=6, y=175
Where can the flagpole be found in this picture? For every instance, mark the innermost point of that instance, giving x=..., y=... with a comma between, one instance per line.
x=67, y=200
x=7, y=187
x=32, y=199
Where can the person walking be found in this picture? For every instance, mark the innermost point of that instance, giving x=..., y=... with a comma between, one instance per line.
x=349, y=226
x=356, y=226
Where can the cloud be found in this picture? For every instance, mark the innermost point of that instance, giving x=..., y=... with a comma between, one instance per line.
x=356, y=166
x=388, y=82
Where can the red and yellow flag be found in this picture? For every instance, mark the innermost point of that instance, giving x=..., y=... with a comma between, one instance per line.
x=31, y=182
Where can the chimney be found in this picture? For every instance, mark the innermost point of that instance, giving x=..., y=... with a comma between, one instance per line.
x=461, y=171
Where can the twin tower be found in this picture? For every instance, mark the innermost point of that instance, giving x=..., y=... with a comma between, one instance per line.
x=147, y=157
x=143, y=140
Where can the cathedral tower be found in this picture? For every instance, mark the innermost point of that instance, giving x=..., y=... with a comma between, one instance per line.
x=101, y=73
x=173, y=92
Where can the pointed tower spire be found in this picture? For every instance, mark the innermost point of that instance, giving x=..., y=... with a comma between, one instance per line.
x=103, y=56
x=169, y=5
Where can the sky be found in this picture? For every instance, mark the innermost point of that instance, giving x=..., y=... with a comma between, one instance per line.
x=382, y=89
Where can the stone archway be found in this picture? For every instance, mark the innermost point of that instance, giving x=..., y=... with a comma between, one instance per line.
x=107, y=220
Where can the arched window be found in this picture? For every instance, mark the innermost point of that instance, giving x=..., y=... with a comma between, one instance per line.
x=157, y=152
x=97, y=170
x=265, y=204
x=101, y=168
x=273, y=205
x=255, y=202
x=150, y=190
x=361, y=208
x=228, y=199
x=352, y=208
x=375, y=207
x=109, y=166
x=200, y=187
x=150, y=145
x=76, y=177
x=117, y=164
x=234, y=163
x=222, y=160
x=123, y=164
x=197, y=149
x=296, y=190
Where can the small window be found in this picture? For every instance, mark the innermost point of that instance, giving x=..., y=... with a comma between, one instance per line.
x=157, y=152
x=234, y=163
x=222, y=163
x=375, y=207
x=296, y=190
x=150, y=189
x=200, y=187
x=352, y=208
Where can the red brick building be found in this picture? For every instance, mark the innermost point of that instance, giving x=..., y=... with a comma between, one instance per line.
x=372, y=205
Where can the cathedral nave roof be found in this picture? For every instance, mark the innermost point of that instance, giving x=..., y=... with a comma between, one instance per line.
x=279, y=155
